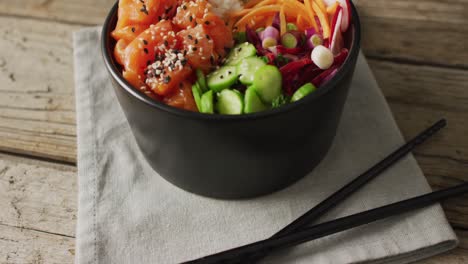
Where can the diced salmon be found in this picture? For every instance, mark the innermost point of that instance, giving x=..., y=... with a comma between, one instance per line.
x=219, y=32
x=165, y=82
x=128, y=33
x=141, y=51
x=119, y=51
x=139, y=84
x=159, y=61
x=134, y=79
x=182, y=97
x=199, y=47
x=133, y=12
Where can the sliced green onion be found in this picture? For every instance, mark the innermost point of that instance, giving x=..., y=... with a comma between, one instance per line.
x=289, y=40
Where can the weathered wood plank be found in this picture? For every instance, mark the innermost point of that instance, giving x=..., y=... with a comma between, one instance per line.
x=416, y=41
x=419, y=95
x=72, y=11
x=37, y=113
x=423, y=85
x=38, y=195
x=441, y=11
x=28, y=246
x=427, y=31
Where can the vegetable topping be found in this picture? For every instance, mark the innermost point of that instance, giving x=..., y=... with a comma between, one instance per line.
x=194, y=55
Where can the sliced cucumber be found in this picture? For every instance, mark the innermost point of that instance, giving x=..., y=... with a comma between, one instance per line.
x=207, y=103
x=252, y=102
x=197, y=96
x=303, y=91
x=201, y=80
x=230, y=102
x=267, y=82
x=240, y=52
x=222, y=78
x=247, y=68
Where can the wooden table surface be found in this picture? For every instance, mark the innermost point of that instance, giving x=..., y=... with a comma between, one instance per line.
x=417, y=50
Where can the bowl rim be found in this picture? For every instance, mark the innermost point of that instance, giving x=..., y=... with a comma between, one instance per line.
x=115, y=73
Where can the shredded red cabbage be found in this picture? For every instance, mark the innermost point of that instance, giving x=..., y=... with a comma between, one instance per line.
x=325, y=75
x=276, y=21
x=253, y=38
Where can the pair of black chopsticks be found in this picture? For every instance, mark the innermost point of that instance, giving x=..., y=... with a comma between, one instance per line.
x=297, y=232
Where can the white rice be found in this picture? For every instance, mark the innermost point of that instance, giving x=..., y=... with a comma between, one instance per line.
x=220, y=7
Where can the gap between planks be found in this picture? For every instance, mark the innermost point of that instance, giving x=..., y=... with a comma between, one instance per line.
x=36, y=230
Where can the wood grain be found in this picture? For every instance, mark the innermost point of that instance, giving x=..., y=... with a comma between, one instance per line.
x=38, y=195
x=68, y=11
x=28, y=246
x=37, y=115
x=424, y=31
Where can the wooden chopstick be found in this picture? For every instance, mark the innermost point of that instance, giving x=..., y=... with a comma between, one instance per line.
x=262, y=247
x=355, y=184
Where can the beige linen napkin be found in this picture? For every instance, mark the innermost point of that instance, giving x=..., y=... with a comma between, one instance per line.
x=129, y=214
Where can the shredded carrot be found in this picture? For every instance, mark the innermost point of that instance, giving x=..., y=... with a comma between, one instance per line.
x=266, y=2
x=261, y=11
x=294, y=8
x=239, y=12
x=258, y=21
x=332, y=9
x=269, y=21
x=301, y=24
x=252, y=3
x=323, y=17
x=310, y=10
x=322, y=5
x=282, y=17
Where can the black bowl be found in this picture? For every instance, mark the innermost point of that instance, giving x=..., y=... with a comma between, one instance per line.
x=239, y=156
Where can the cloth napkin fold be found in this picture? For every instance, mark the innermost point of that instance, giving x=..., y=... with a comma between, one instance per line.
x=129, y=214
